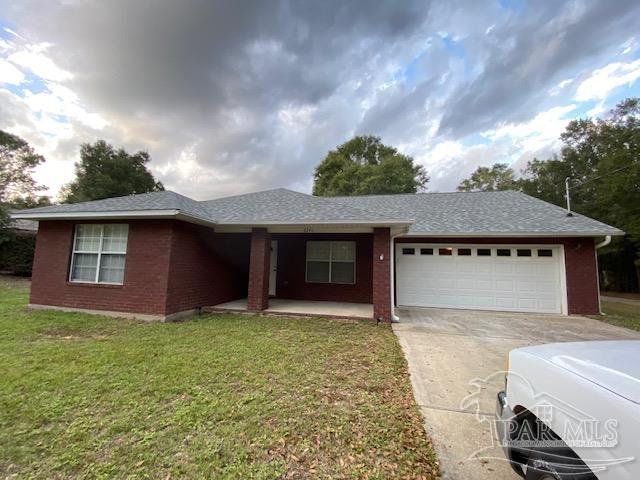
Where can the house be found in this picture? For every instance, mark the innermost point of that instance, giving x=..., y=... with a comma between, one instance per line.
x=16, y=251
x=162, y=255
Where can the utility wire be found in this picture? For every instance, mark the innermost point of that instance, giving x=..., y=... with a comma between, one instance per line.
x=591, y=180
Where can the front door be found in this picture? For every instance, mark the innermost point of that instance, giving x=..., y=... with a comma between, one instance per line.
x=273, y=273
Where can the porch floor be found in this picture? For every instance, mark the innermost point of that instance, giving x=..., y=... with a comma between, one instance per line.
x=306, y=307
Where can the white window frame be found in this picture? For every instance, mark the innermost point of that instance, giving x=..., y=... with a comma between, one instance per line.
x=331, y=242
x=99, y=253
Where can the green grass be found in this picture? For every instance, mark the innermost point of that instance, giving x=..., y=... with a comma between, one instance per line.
x=621, y=314
x=222, y=396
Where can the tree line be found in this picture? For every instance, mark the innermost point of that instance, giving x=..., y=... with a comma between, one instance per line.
x=600, y=156
x=601, y=159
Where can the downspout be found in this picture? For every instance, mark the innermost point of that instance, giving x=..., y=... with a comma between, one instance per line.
x=392, y=260
x=604, y=243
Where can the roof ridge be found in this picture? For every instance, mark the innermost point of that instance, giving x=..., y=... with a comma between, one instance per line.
x=420, y=193
x=251, y=193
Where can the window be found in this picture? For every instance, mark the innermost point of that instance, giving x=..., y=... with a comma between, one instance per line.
x=464, y=252
x=484, y=252
x=545, y=252
x=426, y=251
x=503, y=252
x=331, y=262
x=524, y=252
x=408, y=251
x=445, y=251
x=98, y=253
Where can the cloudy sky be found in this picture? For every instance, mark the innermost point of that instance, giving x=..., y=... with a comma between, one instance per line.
x=236, y=96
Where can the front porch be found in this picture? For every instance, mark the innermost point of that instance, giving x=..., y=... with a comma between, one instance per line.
x=332, y=272
x=303, y=307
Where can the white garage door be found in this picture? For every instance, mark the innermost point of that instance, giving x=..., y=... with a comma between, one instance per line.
x=519, y=278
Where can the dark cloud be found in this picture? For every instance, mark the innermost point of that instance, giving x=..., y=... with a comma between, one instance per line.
x=232, y=96
x=536, y=51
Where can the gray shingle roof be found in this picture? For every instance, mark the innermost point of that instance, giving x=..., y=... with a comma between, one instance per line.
x=506, y=212
x=165, y=200
x=286, y=206
x=477, y=213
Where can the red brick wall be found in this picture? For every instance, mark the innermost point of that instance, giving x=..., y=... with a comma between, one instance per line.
x=580, y=265
x=381, y=274
x=146, y=270
x=291, y=282
x=170, y=267
x=199, y=275
x=258, y=292
x=582, y=276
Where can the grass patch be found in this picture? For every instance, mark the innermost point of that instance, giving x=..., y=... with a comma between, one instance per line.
x=223, y=396
x=620, y=314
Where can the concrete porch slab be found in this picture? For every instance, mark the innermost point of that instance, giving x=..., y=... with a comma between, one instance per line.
x=304, y=307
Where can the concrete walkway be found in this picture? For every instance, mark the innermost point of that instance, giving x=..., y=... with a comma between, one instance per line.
x=455, y=360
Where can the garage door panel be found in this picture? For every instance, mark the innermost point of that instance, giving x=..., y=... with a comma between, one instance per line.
x=527, y=284
x=466, y=284
x=503, y=268
x=484, y=267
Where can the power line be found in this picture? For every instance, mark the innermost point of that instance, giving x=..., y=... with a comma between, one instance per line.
x=591, y=180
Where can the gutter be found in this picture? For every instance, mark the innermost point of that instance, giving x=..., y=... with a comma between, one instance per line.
x=604, y=243
x=113, y=215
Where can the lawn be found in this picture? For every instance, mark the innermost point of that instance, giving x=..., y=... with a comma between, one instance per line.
x=621, y=314
x=221, y=396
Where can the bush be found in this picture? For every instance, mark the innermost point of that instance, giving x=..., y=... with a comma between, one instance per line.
x=16, y=254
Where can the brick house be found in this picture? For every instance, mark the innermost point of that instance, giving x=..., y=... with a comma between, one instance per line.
x=162, y=255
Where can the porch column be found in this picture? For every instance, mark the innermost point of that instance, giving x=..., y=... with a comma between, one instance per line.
x=258, y=293
x=381, y=275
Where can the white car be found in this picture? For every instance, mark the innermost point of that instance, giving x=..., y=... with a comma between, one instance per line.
x=572, y=411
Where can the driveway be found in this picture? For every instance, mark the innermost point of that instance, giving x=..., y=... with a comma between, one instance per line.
x=447, y=350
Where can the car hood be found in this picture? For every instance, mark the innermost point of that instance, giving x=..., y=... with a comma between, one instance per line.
x=614, y=365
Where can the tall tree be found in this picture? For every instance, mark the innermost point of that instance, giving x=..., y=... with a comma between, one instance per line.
x=17, y=185
x=601, y=157
x=104, y=172
x=17, y=161
x=498, y=177
x=364, y=165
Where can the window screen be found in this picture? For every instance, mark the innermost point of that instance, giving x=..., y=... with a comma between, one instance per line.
x=99, y=253
x=331, y=262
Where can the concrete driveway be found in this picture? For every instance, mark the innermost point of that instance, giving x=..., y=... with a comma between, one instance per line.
x=452, y=352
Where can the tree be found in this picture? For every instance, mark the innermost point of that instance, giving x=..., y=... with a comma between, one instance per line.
x=17, y=185
x=602, y=159
x=104, y=172
x=17, y=161
x=499, y=177
x=364, y=165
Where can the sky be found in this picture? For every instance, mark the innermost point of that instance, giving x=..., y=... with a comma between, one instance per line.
x=237, y=96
